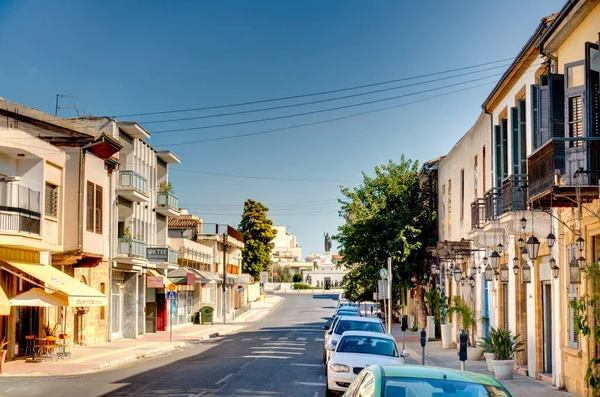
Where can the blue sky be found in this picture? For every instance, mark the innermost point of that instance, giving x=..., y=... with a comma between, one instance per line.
x=130, y=57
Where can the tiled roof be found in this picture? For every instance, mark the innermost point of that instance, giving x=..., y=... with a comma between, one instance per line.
x=337, y=256
x=183, y=223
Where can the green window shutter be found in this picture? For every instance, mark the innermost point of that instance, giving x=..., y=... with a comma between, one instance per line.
x=556, y=84
x=522, y=137
x=514, y=124
x=504, y=133
x=535, y=114
x=498, y=155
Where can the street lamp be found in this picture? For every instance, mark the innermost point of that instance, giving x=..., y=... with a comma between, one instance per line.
x=462, y=280
x=524, y=254
x=554, y=268
x=472, y=281
x=533, y=247
x=523, y=222
x=526, y=278
x=489, y=273
x=457, y=274
x=478, y=269
x=574, y=272
x=504, y=273
x=581, y=261
x=580, y=243
x=515, y=265
x=485, y=260
x=550, y=240
x=495, y=259
x=521, y=242
x=500, y=248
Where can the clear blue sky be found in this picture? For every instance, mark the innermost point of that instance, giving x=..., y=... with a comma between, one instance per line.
x=143, y=56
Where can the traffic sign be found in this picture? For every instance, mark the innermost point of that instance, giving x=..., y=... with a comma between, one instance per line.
x=171, y=295
x=274, y=274
x=172, y=287
x=264, y=277
x=383, y=273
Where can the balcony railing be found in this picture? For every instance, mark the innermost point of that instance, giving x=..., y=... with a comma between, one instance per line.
x=493, y=204
x=168, y=199
x=132, y=247
x=173, y=256
x=477, y=213
x=543, y=165
x=19, y=208
x=133, y=180
x=514, y=193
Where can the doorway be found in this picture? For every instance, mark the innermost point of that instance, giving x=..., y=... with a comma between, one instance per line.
x=116, y=318
x=547, y=321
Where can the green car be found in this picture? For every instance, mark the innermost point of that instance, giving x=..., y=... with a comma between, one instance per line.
x=419, y=381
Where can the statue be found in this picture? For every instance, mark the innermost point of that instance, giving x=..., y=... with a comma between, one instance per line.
x=327, y=242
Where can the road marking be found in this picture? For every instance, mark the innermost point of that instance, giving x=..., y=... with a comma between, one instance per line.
x=266, y=351
x=283, y=338
x=319, y=340
x=245, y=365
x=278, y=347
x=224, y=379
x=307, y=365
x=267, y=356
x=265, y=338
x=300, y=338
x=227, y=340
x=310, y=383
x=316, y=394
x=247, y=339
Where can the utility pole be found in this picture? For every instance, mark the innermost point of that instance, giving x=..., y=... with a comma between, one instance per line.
x=389, y=291
x=224, y=278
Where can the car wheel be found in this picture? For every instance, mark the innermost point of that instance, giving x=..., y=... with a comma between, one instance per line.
x=329, y=393
x=324, y=357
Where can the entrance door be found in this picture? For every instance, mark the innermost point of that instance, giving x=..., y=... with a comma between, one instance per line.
x=116, y=318
x=161, y=312
x=486, y=310
x=547, y=321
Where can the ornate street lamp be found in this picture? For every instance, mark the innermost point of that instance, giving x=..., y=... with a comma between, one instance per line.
x=526, y=278
x=524, y=255
x=580, y=243
x=515, y=265
x=523, y=222
x=472, y=282
x=500, y=248
x=550, y=240
x=484, y=260
x=555, y=269
x=457, y=274
x=574, y=274
x=533, y=247
x=462, y=280
x=521, y=243
x=495, y=259
x=581, y=261
x=473, y=268
x=504, y=273
x=489, y=273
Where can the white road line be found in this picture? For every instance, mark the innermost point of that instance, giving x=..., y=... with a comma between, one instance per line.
x=300, y=338
x=224, y=379
x=267, y=356
x=266, y=351
x=227, y=340
x=307, y=365
x=319, y=340
x=310, y=383
x=265, y=338
x=247, y=339
x=278, y=347
x=245, y=365
x=283, y=338
x=316, y=394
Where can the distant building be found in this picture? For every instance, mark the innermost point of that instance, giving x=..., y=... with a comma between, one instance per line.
x=287, y=252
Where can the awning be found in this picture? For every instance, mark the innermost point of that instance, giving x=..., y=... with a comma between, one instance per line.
x=154, y=273
x=183, y=275
x=78, y=293
x=37, y=297
x=202, y=277
x=215, y=276
x=4, y=303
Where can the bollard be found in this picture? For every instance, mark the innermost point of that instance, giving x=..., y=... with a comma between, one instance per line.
x=462, y=352
x=423, y=342
x=404, y=327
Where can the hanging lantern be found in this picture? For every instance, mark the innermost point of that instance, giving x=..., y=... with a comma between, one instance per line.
x=500, y=248
x=550, y=240
x=457, y=274
x=581, y=261
x=555, y=269
x=489, y=273
x=533, y=247
x=495, y=260
x=485, y=260
x=521, y=242
x=473, y=268
x=462, y=280
x=580, y=243
x=472, y=281
x=504, y=273
x=524, y=255
x=479, y=268
x=516, y=265
x=523, y=222
x=526, y=277
x=574, y=272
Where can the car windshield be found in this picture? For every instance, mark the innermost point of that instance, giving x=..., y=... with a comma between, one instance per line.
x=357, y=325
x=418, y=387
x=347, y=313
x=367, y=345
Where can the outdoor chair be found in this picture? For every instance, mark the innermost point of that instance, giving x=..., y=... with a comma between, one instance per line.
x=30, y=344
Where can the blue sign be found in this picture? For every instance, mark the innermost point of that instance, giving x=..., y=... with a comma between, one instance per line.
x=171, y=295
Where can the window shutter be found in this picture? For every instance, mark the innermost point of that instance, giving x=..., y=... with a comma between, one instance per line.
x=522, y=137
x=98, y=209
x=544, y=111
x=535, y=114
x=573, y=336
x=592, y=88
x=514, y=121
x=51, y=200
x=556, y=84
x=504, y=132
x=498, y=154
x=90, y=207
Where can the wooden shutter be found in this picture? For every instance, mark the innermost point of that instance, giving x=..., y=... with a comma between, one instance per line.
x=498, y=155
x=89, y=224
x=51, y=200
x=514, y=120
x=592, y=88
x=98, y=209
x=573, y=291
x=522, y=137
x=504, y=132
x=535, y=112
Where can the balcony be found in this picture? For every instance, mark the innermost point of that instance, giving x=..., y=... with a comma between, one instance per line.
x=19, y=209
x=132, y=186
x=514, y=193
x=132, y=248
x=556, y=172
x=477, y=214
x=168, y=204
x=493, y=204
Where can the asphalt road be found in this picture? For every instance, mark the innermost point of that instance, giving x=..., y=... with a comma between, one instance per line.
x=277, y=356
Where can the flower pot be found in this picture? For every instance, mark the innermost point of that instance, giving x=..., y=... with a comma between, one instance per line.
x=474, y=353
x=488, y=360
x=446, y=336
x=2, y=358
x=431, y=327
x=503, y=369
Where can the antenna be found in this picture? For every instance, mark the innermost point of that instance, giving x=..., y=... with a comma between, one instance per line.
x=57, y=106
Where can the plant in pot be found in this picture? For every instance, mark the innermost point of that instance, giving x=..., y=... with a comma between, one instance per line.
x=504, y=345
x=488, y=354
x=433, y=301
x=50, y=331
x=467, y=318
x=446, y=326
x=3, y=351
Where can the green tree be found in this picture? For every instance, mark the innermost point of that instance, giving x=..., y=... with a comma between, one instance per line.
x=387, y=217
x=258, y=238
x=284, y=275
x=297, y=278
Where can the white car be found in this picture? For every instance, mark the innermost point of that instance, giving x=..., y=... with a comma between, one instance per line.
x=357, y=350
x=351, y=323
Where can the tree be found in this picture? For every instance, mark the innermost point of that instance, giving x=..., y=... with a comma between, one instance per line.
x=284, y=275
x=387, y=217
x=258, y=238
x=297, y=278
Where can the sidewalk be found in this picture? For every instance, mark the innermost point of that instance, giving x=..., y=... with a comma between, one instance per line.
x=520, y=385
x=87, y=359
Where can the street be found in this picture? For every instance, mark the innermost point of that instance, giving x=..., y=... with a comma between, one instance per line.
x=279, y=355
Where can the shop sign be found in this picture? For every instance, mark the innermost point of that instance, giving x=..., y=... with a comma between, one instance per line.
x=154, y=282
x=191, y=279
x=157, y=254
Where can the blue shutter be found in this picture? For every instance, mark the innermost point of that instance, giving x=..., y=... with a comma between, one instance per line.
x=535, y=112
x=522, y=137
x=514, y=124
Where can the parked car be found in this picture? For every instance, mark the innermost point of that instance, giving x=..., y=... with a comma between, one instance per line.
x=329, y=329
x=346, y=323
x=412, y=380
x=357, y=350
x=346, y=309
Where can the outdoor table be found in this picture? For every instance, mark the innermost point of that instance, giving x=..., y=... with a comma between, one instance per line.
x=39, y=346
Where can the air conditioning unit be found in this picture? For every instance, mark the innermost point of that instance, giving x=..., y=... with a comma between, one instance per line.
x=11, y=179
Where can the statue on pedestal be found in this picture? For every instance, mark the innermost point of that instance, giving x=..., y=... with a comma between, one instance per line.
x=327, y=242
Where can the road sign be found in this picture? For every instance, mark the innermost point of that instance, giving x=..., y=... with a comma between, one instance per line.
x=171, y=295
x=172, y=287
x=264, y=277
x=382, y=292
x=275, y=274
x=383, y=273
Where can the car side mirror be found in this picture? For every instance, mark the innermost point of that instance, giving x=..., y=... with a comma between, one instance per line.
x=329, y=347
x=326, y=328
x=405, y=353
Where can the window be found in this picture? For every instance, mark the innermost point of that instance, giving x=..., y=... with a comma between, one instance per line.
x=51, y=200
x=89, y=225
x=519, y=150
x=462, y=194
x=94, y=208
x=98, y=209
x=483, y=166
x=535, y=125
x=550, y=109
x=475, y=177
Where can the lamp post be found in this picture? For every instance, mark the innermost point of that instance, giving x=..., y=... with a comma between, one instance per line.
x=574, y=271
x=495, y=260
x=515, y=265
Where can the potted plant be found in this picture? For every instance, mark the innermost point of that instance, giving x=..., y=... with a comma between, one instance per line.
x=50, y=331
x=3, y=351
x=488, y=354
x=467, y=317
x=433, y=304
x=165, y=187
x=504, y=345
